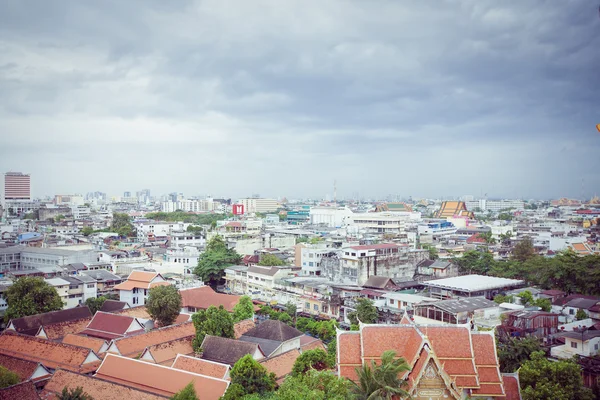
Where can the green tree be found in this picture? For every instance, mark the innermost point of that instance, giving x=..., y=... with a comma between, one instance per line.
x=560, y=380
x=30, y=296
x=314, y=385
x=214, y=260
x=513, y=352
x=505, y=237
x=164, y=304
x=8, y=377
x=212, y=321
x=252, y=376
x=187, y=393
x=235, y=391
x=121, y=224
x=526, y=298
x=381, y=381
x=500, y=298
x=270, y=260
x=365, y=312
x=332, y=352
x=95, y=303
x=524, y=250
x=311, y=359
x=74, y=394
x=581, y=315
x=244, y=309
x=87, y=230
x=195, y=229
x=544, y=304
x=290, y=309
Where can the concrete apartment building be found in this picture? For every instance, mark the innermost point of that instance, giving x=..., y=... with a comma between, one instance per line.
x=197, y=206
x=383, y=222
x=495, y=205
x=332, y=217
x=310, y=256
x=259, y=205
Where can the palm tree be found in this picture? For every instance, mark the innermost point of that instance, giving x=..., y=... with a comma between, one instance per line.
x=381, y=382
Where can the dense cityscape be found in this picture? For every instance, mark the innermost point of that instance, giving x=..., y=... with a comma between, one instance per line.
x=274, y=298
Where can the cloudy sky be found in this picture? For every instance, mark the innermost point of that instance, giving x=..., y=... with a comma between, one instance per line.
x=281, y=97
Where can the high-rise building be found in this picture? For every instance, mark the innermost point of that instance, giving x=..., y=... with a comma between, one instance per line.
x=17, y=186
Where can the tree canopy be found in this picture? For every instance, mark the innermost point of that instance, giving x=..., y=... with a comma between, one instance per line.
x=29, y=296
x=187, y=393
x=214, y=260
x=74, y=394
x=381, y=381
x=513, y=352
x=270, y=260
x=8, y=377
x=95, y=303
x=190, y=218
x=313, y=385
x=252, y=376
x=311, y=359
x=244, y=309
x=559, y=380
x=164, y=304
x=121, y=224
x=365, y=312
x=212, y=321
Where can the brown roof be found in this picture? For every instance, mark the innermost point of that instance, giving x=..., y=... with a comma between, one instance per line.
x=113, y=305
x=202, y=367
x=92, y=343
x=274, y=330
x=240, y=328
x=136, y=312
x=311, y=343
x=52, y=355
x=226, y=351
x=511, y=386
x=24, y=368
x=61, y=329
x=165, y=353
x=111, y=326
x=30, y=325
x=140, y=279
x=269, y=271
x=405, y=340
x=204, y=297
x=282, y=364
x=378, y=282
x=95, y=387
x=158, y=379
x=21, y=391
x=142, y=276
x=132, y=346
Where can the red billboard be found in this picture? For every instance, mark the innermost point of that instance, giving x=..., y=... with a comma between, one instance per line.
x=238, y=209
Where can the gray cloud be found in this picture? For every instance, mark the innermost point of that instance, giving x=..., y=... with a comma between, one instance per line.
x=282, y=97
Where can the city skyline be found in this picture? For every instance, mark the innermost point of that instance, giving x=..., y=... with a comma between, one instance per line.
x=281, y=99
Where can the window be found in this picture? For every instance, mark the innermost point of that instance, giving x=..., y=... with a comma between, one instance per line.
x=135, y=300
x=354, y=254
x=90, y=285
x=191, y=309
x=392, y=301
x=310, y=264
x=315, y=307
x=307, y=305
x=574, y=345
x=596, y=346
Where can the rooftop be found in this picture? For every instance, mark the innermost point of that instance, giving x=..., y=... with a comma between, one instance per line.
x=135, y=345
x=204, y=297
x=202, y=367
x=274, y=330
x=226, y=351
x=463, y=304
x=473, y=283
x=30, y=325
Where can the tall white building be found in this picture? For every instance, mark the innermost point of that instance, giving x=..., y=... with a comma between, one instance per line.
x=205, y=205
x=495, y=205
x=254, y=205
x=331, y=216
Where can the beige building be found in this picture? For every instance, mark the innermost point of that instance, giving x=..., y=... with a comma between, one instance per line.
x=254, y=205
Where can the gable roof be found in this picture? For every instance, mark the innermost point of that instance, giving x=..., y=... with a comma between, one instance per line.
x=141, y=280
x=486, y=362
x=50, y=354
x=204, y=297
x=201, y=366
x=282, y=364
x=21, y=391
x=132, y=346
x=158, y=379
x=227, y=351
x=512, y=386
x=95, y=387
x=31, y=324
x=311, y=343
x=378, y=282
x=140, y=312
x=165, y=353
x=61, y=329
x=112, y=326
x=267, y=271
x=113, y=305
x=242, y=327
x=273, y=330
x=95, y=344
x=26, y=369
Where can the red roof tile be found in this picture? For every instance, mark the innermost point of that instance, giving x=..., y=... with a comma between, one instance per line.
x=458, y=367
x=349, y=372
x=311, y=343
x=132, y=346
x=488, y=375
x=418, y=367
x=22, y=367
x=95, y=344
x=405, y=340
x=165, y=353
x=204, y=297
x=511, y=386
x=466, y=381
x=349, y=348
x=490, y=389
x=112, y=326
x=242, y=327
x=449, y=341
x=21, y=391
x=60, y=330
x=282, y=364
x=484, y=349
x=201, y=366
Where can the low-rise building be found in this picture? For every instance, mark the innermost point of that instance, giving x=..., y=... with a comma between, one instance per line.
x=134, y=291
x=585, y=343
x=471, y=286
x=62, y=288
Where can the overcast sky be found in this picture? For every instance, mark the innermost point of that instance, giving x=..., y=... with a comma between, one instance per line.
x=281, y=97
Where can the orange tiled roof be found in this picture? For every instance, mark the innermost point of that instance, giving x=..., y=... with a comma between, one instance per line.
x=136, y=312
x=165, y=353
x=201, y=366
x=24, y=368
x=242, y=327
x=311, y=343
x=95, y=387
x=21, y=391
x=111, y=326
x=488, y=369
x=405, y=340
x=450, y=209
x=204, y=297
x=132, y=346
x=282, y=364
x=142, y=276
x=61, y=329
x=158, y=379
x=511, y=386
x=92, y=343
x=52, y=355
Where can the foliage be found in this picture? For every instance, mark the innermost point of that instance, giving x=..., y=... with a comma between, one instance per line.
x=252, y=376
x=332, y=352
x=365, y=312
x=581, y=315
x=314, y=385
x=311, y=359
x=524, y=250
x=500, y=298
x=302, y=239
x=235, y=391
x=212, y=321
x=195, y=229
x=95, y=303
x=190, y=218
x=35, y=214
x=214, y=260
x=324, y=330
x=528, y=300
x=433, y=251
x=291, y=309
x=559, y=380
x=8, y=377
x=314, y=240
x=244, y=309
x=74, y=394
x=270, y=260
x=381, y=381
x=505, y=216
x=187, y=393
x=513, y=352
x=30, y=296
x=121, y=224
x=87, y=230
x=164, y=304
x=487, y=237
x=505, y=237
